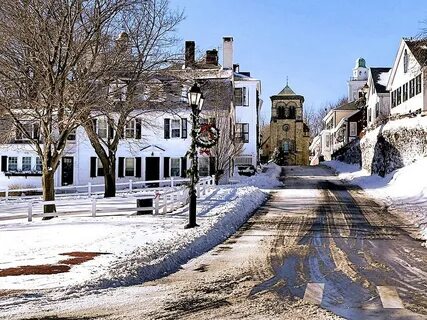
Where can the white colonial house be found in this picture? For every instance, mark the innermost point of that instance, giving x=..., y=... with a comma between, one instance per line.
x=157, y=151
x=377, y=97
x=248, y=104
x=407, y=83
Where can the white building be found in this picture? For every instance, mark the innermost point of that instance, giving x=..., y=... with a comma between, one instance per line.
x=407, y=78
x=358, y=80
x=159, y=151
x=248, y=104
x=378, y=97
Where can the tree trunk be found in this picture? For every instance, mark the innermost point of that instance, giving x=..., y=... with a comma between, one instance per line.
x=110, y=180
x=48, y=184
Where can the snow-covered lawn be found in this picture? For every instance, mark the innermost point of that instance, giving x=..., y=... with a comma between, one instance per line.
x=404, y=189
x=138, y=248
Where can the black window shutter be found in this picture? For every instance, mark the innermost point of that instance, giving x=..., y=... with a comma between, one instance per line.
x=167, y=134
x=212, y=165
x=36, y=131
x=110, y=131
x=184, y=128
x=93, y=167
x=94, y=124
x=138, y=169
x=121, y=167
x=138, y=128
x=3, y=163
x=183, y=167
x=166, y=167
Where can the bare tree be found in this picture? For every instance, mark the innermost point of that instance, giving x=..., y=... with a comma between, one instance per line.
x=142, y=51
x=314, y=117
x=51, y=53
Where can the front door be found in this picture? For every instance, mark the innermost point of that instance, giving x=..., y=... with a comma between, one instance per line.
x=152, y=168
x=67, y=171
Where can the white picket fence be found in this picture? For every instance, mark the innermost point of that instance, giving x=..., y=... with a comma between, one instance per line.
x=161, y=201
x=92, y=189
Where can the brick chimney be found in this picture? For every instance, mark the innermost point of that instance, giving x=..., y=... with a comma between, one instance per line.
x=212, y=57
x=189, y=53
x=227, y=53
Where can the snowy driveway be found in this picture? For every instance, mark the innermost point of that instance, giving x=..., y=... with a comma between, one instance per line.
x=316, y=244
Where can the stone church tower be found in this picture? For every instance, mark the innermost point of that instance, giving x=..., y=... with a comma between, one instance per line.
x=288, y=133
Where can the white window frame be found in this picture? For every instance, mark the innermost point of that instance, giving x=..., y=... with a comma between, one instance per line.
x=130, y=128
x=244, y=100
x=20, y=136
x=178, y=160
x=9, y=163
x=126, y=167
x=22, y=164
x=117, y=91
x=176, y=129
x=353, y=129
x=102, y=131
x=38, y=164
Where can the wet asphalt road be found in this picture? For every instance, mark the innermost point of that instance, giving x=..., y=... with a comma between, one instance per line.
x=348, y=255
x=316, y=246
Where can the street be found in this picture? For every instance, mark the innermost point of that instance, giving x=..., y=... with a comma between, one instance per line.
x=317, y=249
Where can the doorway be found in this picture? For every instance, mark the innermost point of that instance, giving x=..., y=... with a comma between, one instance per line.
x=67, y=173
x=152, y=169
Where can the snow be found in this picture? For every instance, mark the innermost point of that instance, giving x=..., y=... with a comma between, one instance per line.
x=267, y=179
x=139, y=247
x=383, y=78
x=402, y=191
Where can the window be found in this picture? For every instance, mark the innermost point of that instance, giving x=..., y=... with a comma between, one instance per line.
x=117, y=91
x=353, y=129
x=130, y=129
x=38, y=164
x=26, y=163
x=175, y=128
x=31, y=129
x=393, y=98
x=288, y=146
x=370, y=115
x=242, y=132
x=12, y=164
x=377, y=110
x=398, y=96
x=130, y=167
x=405, y=61
x=241, y=97
x=405, y=92
x=411, y=88
x=100, y=168
x=175, y=167
x=102, y=128
x=203, y=166
x=418, y=84
x=72, y=135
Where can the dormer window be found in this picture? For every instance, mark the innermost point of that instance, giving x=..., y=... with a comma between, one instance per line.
x=117, y=91
x=405, y=61
x=31, y=131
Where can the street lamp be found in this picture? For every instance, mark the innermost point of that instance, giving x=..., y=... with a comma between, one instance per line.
x=195, y=102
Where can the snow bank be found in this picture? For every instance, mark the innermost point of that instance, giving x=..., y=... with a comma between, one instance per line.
x=140, y=248
x=267, y=179
x=404, y=189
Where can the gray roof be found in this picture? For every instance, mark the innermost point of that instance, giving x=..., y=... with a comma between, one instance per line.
x=348, y=106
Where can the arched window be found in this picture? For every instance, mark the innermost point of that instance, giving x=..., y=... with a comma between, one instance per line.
x=405, y=61
x=281, y=112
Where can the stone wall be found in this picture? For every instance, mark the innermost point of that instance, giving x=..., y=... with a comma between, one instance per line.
x=350, y=153
x=391, y=146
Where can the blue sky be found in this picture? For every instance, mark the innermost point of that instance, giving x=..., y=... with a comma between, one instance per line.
x=314, y=43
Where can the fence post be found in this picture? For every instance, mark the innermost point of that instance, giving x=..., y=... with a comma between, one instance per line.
x=7, y=193
x=172, y=182
x=130, y=185
x=156, y=203
x=30, y=211
x=165, y=203
x=89, y=189
x=198, y=190
x=93, y=207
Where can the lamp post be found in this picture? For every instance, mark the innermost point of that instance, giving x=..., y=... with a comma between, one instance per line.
x=195, y=102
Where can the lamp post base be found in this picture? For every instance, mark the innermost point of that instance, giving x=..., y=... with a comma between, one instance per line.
x=189, y=226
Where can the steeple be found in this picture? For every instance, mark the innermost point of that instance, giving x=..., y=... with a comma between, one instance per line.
x=287, y=91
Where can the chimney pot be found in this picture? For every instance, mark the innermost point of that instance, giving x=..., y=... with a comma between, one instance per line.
x=189, y=53
x=227, y=52
x=212, y=57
